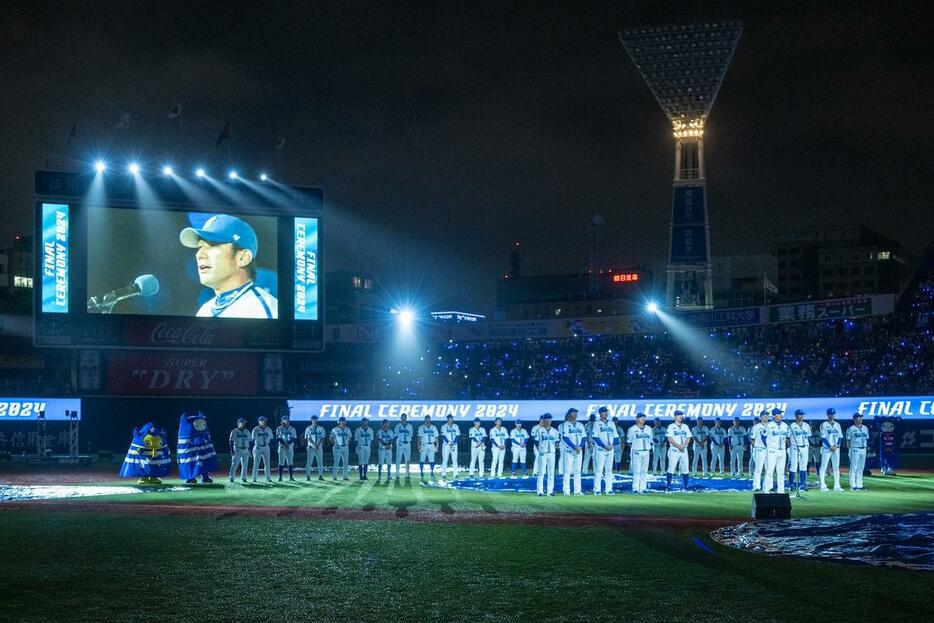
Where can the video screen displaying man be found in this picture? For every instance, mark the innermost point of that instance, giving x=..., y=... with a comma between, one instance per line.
x=177, y=263
x=226, y=250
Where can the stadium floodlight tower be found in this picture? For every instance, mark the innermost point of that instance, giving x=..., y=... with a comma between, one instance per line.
x=684, y=67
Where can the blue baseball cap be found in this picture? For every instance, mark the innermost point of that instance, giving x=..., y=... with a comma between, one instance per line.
x=475, y=420
x=776, y=411
x=341, y=419
x=315, y=418
x=799, y=411
x=221, y=228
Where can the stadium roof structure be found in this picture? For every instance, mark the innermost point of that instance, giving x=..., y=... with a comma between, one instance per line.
x=684, y=66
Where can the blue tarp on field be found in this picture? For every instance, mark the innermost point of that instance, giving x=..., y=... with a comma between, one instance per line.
x=622, y=483
x=905, y=540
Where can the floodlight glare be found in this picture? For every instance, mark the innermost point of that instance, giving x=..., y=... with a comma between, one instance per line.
x=232, y=175
x=652, y=307
x=100, y=166
x=200, y=173
x=167, y=170
x=263, y=177
x=406, y=317
x=134, y=168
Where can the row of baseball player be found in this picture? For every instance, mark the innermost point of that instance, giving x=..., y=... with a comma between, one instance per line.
x=594, y=441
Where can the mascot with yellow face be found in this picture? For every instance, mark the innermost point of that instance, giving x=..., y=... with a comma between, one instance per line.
x=149, y=457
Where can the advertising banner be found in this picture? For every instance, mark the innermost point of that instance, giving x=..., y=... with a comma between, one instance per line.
x=28, y=409
x=181, y=374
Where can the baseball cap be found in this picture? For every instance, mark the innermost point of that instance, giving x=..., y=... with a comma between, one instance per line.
x=263, y=418
x=571, y=410
x=315, y=418
x=776, y=411
x=857, y=414
x=799, y=411
x=241, y=421
x=450, y=417
x=763, y=412
x=475, y=420
x=679, y=412
x=221, y=228
x=640, y=414
x=602, y=410
x=342, y=419
x=831, y=411
x=546, y=416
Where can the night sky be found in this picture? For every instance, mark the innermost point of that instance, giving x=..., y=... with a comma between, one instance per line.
x=443, y=132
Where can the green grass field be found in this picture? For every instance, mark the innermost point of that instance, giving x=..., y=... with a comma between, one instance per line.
x=84, y=565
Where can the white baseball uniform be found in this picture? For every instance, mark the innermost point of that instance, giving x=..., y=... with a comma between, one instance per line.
x=404, y=435
x=717, y=449
x=428, y=439
x=498, y=440
x=518, y=438
x=314, y=442
x=239, y=452
x=573, y=440
x=640, y=444
x=737, y=437
x=286, y=436
x=605, y=438
x=363, y=437
x=678, y=459
x=262, y=439
x=450, y=434
x=477, y=437
x=831, y=435
x=857, y=440
x=340, y=438
x=699, y=447
x=548, y=439
x=384, y=439
x=757, y=450
x=798, y=452
x=777, y=435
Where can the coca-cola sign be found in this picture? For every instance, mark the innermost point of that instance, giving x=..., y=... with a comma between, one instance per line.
x=185, y=335
x=181, y=374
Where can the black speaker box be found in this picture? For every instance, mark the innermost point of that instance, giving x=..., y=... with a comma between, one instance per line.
x=771, y=506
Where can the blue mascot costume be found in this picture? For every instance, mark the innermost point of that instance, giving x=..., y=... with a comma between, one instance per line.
x=196, y=455
x=149, y=458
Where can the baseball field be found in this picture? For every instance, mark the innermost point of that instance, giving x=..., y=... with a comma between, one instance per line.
x=351, y=551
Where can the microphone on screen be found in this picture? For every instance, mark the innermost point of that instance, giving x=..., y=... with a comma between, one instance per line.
x=144, y=285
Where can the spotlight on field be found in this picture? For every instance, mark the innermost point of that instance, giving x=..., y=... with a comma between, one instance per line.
x=233, y=175
x=263, y=177
x=167, y=171
x=100, y=166
x=652, y=307
x=200, y=173
x=134, y=168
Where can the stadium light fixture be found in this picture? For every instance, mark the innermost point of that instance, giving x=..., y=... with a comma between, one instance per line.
x=134, y=168
x=100, y=166
x=167, y=171
x=263, y=177
x=652, y=307
x=233, y=175
x=199, y=173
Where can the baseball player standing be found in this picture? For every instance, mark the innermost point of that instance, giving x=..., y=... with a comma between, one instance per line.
x=606, y=440
x=573, y=440
x=679, y=438
x=798, y=461
x=857, y=441
x=737, y=436
x=384, y=439
x=477, y=436
x=518, y=438
x=659, y=439
x=340, y=447
x=777, y=437
x=700, y=434
x=285, y=438
x=404, y=435
x=363, y=437
x=450, y=434
x=427, y=447
x=546, y=442
x=499, y=437
x=239, y=450
x=262, y=439
x=314, y=442
x=717, y=447
x=830, y=435
x=640, y=443
x=757, y=451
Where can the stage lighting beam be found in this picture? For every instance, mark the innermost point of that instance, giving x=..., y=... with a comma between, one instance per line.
x=100, y=166
x=134, y=168
x=167, y=171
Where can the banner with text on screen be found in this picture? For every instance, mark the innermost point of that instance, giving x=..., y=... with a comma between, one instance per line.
x=28, y=409
x=907, y=407
x=306, y=268
x=55, y=258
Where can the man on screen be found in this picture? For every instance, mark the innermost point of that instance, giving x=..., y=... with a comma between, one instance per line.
x=225, y=259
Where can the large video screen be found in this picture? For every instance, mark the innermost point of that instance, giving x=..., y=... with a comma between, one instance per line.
x=133, y=263
x=164, y=263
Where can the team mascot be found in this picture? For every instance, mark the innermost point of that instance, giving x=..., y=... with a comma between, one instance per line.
x=149, y=457
x=196, y=455
x=888, y=445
